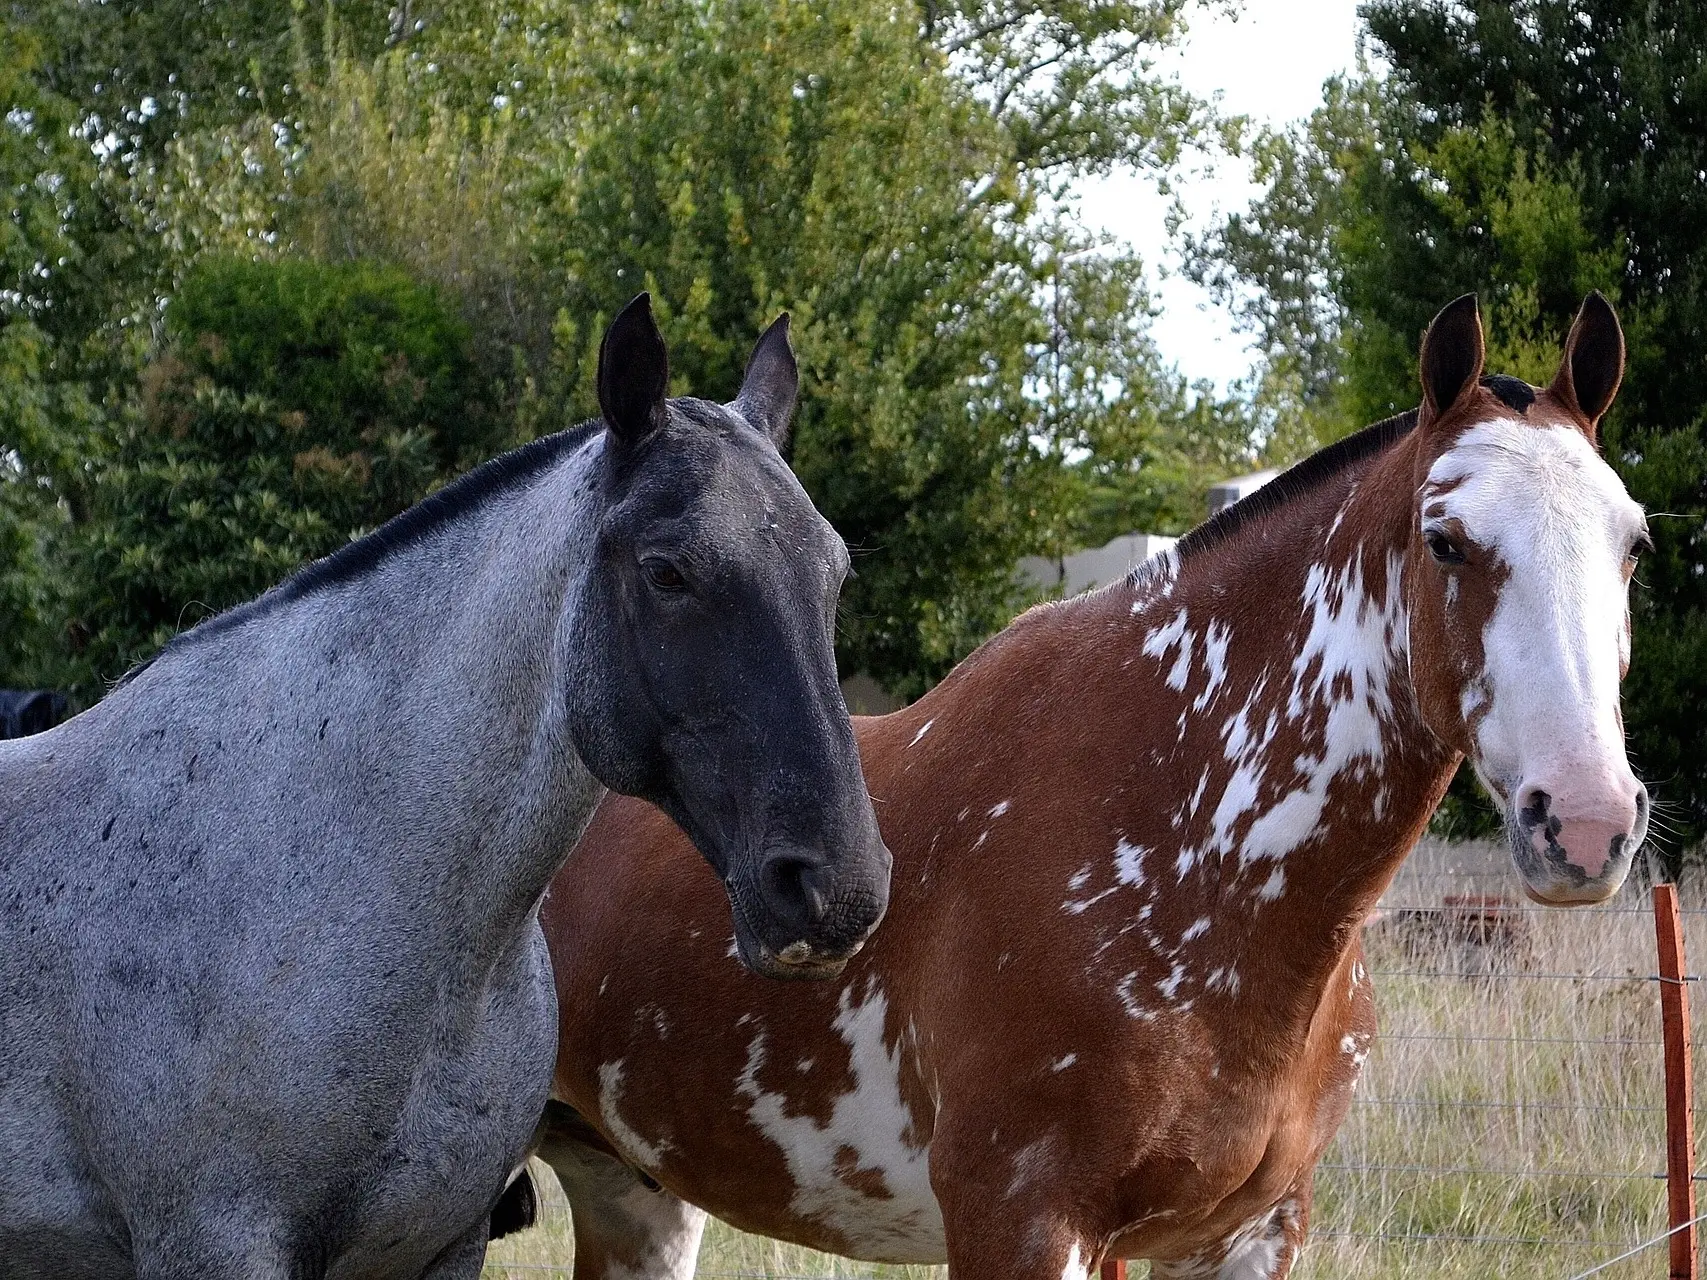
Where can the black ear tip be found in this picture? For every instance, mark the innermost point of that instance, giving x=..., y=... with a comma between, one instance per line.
x=1461, y=307
x=778, y=330
x=638, y=310
x=1598, y=303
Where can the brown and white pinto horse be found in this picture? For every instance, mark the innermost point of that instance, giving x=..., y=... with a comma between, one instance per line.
x=1119, y=1005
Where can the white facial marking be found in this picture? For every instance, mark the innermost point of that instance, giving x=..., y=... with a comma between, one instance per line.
x=1075, y=1268
x=873, y=1122
x=1555, y=515
x=923, y=730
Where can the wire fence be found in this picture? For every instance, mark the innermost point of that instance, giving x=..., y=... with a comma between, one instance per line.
x=1510, y=1120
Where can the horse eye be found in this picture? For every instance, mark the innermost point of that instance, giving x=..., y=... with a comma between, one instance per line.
x=1640, y=547
x=664, y=575
x=1442, y=548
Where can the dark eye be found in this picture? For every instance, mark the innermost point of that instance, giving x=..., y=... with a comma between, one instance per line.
x=1640, y=547
x=663, y=575
x=1442, y=548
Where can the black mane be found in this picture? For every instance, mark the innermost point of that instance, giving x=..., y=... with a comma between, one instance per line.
x=1295, y=481
x=403, y=530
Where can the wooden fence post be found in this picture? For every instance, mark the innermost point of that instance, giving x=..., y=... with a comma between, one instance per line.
x=1680, y=1111
x=1114, y=1269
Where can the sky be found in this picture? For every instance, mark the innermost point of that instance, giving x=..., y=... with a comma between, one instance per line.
x=1269, y=64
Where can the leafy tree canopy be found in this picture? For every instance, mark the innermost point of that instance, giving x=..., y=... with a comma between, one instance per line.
x=294, y=406
x=979, y=377
x=1528, y=152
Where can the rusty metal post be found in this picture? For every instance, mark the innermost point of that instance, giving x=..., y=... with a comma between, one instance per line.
x=1114, y=1269
x=1680, y=1110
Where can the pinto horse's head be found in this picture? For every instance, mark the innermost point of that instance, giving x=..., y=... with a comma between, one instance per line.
x=1518, y=572
x=708, y=625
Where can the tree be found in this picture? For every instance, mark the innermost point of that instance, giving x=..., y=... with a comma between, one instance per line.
x=879, y=177
x=295, y=406
x=1528, y=152
x=55, y=239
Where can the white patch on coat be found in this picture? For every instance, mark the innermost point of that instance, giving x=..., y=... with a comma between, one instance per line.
x=999, y=808
x=923, y=730
x=1031, y=1162
x=1174, y=634
x=1215, y=641
x=873, y=1121
x=1549, y=508
x=1129, y=862
x=648, y=1155
x=1129, y=1001
x=1075, y=1268
x=1078, y=907
x=1063, y=1062
x=1223, y=979
x=1252, y=1252
x=1169, y=986
x=1344, y=668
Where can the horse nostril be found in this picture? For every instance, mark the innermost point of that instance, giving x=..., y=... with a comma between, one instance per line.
x=1532, y=805
x=791, y=881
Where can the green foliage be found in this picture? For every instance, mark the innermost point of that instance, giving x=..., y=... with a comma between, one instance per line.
x=1528, y=152
x=51, y=246
x=295, y=406
x=878, y=177
x=979, y=380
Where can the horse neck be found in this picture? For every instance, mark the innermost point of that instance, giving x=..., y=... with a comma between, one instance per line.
x=434, y=675
x=1244, y=716
x=1284, y=656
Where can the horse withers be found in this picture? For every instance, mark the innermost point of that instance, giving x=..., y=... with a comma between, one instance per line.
x=276, y=1002
x=1120, y=1004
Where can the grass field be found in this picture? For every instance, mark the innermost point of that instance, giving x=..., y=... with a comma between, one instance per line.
x=1509, y=1121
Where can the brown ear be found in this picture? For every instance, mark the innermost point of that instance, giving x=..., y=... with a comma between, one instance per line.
x=1452, y=355
x=1593, y=366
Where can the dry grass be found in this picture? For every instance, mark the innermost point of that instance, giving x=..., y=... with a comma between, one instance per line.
x=1508, y=1123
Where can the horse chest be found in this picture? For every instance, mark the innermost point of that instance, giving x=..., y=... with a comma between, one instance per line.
x=834, y=1144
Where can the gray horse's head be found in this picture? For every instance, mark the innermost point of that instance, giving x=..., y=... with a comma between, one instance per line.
x=709, y=625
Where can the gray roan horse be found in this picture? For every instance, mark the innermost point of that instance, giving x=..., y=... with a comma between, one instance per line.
x=274, y=1000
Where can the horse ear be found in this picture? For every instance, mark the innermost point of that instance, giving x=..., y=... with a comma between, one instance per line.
x=634, y=373
x=1593, y=366
x=771, y=384
x=1452, y=354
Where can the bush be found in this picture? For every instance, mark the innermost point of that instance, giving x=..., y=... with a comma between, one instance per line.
x=295, y=406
